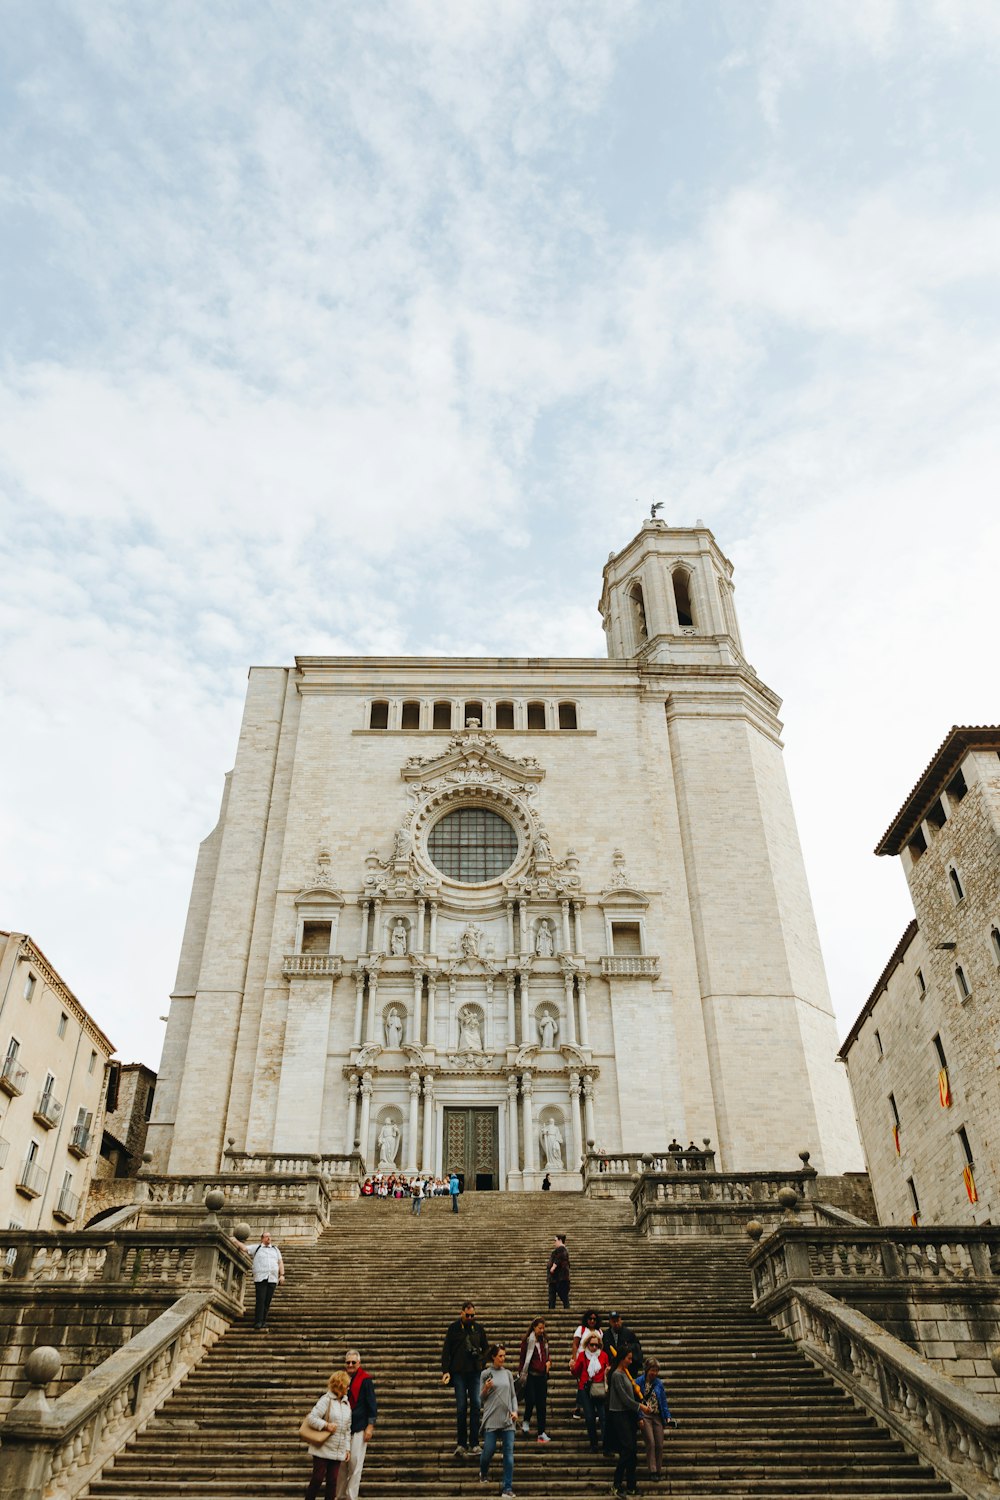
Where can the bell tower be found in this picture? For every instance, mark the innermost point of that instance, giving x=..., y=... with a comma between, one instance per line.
x=668, y=597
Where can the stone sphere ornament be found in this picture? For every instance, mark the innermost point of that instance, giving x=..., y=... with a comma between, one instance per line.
x=788, y=1198
x=42, y=1365
x=215, y=1199
x=241, y=1232
x=754, y=1229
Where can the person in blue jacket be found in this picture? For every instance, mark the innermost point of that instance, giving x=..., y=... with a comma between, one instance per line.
x=655, y=1416
x=454, y=1189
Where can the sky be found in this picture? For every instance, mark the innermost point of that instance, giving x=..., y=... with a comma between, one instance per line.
x=338, y=328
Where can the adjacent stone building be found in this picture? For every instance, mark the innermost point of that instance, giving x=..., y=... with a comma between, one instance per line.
x=51, y=1091
x=131, y=1090
x=924, y=1052
x=475, y=913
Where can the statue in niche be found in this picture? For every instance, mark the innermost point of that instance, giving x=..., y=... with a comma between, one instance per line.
x=388, y=1146
x=470, y=1032
x=472, y=939
x=397, y=940
x=547, y=1029
x=393, y=1030
x=543, y=850
x=552, y=1145
x=545, y=944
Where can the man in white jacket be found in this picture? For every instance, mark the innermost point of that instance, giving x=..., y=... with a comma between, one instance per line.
x=268, y=1272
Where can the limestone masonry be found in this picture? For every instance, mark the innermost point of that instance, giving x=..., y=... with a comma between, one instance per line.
x=474, y=913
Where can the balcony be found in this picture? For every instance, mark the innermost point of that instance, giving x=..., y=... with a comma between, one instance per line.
x=48, y=1110
x=311, y=965
x=32, y=1179
x=632, y=967
x=79, y=1141
x=4, y=1151
x=68, y=1206
x=13, y=1078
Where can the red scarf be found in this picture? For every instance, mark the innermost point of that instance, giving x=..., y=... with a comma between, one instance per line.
x=354, y=1389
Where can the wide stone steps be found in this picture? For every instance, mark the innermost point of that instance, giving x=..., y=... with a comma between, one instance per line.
x=756, y=1419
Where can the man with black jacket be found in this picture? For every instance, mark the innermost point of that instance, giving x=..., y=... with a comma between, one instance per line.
x=465, y=1353
x=364, y=1414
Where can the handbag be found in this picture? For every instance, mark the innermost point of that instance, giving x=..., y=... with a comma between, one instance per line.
x=314, y=1435
x=598, y=1390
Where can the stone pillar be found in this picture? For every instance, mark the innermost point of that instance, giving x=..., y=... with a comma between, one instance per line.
x=372, y=1002
x=352, y=1111
x=578, y=925
x=522, y=908
x=416, y=1024
x=428, y=1156
x=588, y=1109
x=377, y=945
x=411, y=1144
x=419, y=944
x=526, y=1036
x=570, y=1008
x=431, y=1009
x=359, y=1006
x=510, y=925
x=513, y=1154
x=434, y=926
x=511, y=1018
x=527, y=1122
x=581, y=986
x=574, y=1111
x=364, y=925
x=567, y=939
x=366, y=1114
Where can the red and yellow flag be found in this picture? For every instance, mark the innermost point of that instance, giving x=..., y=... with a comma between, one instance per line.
x=914, y=1220
x=895, y=1138
x=969, y=1179
x=944, y=1089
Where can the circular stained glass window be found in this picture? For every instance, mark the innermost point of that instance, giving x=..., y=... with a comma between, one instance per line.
x=472, y=845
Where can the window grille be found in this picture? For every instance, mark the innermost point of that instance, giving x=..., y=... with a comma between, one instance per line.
x=472, y=844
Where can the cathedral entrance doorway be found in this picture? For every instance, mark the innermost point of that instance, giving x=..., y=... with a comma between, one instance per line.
x=472, y=1147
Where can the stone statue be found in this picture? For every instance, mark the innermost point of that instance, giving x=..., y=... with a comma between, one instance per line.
x=543, y=849
x=471, y=939
x=388, y=1146
x=402, y=844
x=547, y=1029
x=552, y=1145
x=393, y=1031
x=544, y=941
x=397, y=941
x=470, y=1034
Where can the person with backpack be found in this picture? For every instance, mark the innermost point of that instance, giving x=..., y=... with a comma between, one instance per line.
x=268, y=1271
x=454, y=1188
x=464, y=1354
x=533, y=1366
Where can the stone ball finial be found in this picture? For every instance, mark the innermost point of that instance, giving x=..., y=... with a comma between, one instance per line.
x=215, y=1199
x=995, y=1358
x=147, y=1157
x=804, y=1157
x=590, y=1143
x=788, y=1198
x=754, y=1229
x=42, y=1365
x=230, y=1141
x=241, y=1232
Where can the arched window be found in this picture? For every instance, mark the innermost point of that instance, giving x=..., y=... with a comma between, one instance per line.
x=379, y=716
x=638, y=612
x=567, y=716
x=442, y=716
x=956, y=884
x=536, y=715
x=473, y=711
x=962, y=982
x=682, y=598
x=410, y=718
x=505, y=716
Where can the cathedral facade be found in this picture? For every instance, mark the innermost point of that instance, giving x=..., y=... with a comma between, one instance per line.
x=475, y=914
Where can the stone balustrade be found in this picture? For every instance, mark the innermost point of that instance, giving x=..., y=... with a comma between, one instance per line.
x=54, y=1449
x=954, y=1429
x=697, y=1202
x=612, y=1175
x=328, y=1164
x=631, y=967
x=311, y=966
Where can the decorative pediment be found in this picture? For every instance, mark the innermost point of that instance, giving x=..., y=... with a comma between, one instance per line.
x=474, y=757
x=621, y=890
x=320, y=890
x=369, y=1055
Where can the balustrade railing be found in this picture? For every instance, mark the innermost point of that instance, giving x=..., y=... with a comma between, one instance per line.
x=632, y=967
x=67, y=1206
x=310, y=965
x=134, y=1259
x=32, y=1178
x=325, y=1164
x=48, y=1110
x=79, y=1141
x=13, y=1078
x=940, y=1257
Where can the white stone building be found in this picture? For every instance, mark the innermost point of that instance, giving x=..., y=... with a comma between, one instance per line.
x=474, y=913
x=924, y=1052
x=51, y=1091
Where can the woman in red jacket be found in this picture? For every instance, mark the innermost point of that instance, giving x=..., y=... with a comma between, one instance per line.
x=591, y=1370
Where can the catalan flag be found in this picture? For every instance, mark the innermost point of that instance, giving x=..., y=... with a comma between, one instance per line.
x=914, y=1220
x=944, y=1089
x=968, y=1177
x=895, y=1138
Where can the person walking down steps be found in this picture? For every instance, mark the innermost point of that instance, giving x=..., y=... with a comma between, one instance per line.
x=364, y=1415
x=462, y=1359
x=499, y=1402
x=331, y=1414
x=558, y=1272
x=268, y=1273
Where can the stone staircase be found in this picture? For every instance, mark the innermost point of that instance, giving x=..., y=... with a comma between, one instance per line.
x=756, y=1419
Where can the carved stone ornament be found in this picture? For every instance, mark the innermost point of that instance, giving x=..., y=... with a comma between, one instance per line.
x=473, y=753
x=621, y=889
x=472, y=1062
x=320, y=888
x=368, y=1055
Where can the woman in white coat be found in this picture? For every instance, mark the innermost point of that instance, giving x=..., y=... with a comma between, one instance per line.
x=331, y=1414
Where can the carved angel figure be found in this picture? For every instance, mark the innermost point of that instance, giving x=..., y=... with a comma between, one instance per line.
x=388, y=1146
x=470, y=1034
x=544, y=941
x=552, y=1145
x=393, y=1029
x=547, y=1029
x=397, y=940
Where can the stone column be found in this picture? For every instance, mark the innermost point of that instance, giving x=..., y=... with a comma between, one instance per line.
x=581, y=985
x=352, y=1111
x=418, y=940
x=526, y=1036
x=567, y=939
x=359, y=1006
x=366, y=1115
x=528, y=1122
x=434, y=926
x=416, y=1024
x=522, y=908
x=364, y=925
x=574, y=1110
x=578, y=925
x=570, y=1007
x=377, y=945
x=511, y=1018
x=428, y=1155
x=411, y=1145
x=372, y=1002
x=510, y=925
x=588, y=1109
x=431, y=1011
x=513, y=1155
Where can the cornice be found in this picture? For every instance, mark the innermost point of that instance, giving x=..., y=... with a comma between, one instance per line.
x=30, y=951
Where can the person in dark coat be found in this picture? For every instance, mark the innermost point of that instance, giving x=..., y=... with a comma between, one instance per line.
x=558, y=1272
x=465, y=1353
